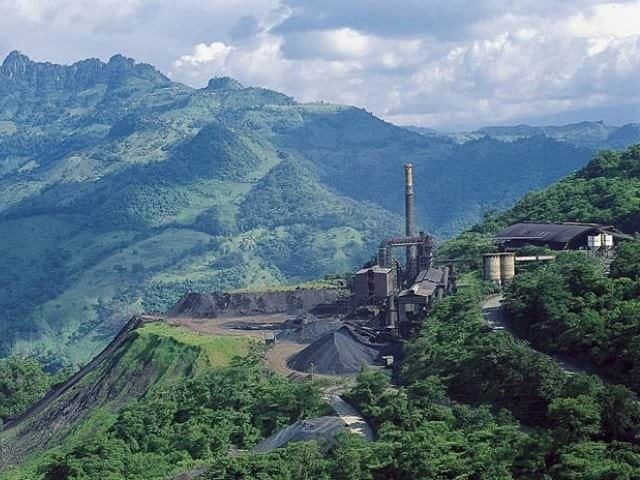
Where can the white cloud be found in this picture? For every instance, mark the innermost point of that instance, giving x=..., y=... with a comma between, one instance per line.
x=70, y=12
x=215, y=53
x=410, y=61
x=609, y=20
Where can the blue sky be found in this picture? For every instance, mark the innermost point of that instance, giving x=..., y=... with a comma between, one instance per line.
x=447, y=65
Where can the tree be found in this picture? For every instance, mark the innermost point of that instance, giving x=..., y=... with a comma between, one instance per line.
x=22, y=383
x=627, y=260
x=574, y=419
x=620, y=414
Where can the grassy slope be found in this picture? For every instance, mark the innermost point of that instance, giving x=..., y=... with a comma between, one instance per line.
x=151, y=358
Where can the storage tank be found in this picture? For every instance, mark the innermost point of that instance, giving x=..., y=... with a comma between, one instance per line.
x=507, y=267
x=594, y=241
x=492, y=267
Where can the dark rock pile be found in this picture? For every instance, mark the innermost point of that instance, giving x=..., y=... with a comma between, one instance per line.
x=341, y=352
x=322, y=429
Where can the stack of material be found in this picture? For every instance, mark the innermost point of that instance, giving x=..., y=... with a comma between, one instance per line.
x=322, y=429
x=200, y=305
x=308, y=328
x=341, y=352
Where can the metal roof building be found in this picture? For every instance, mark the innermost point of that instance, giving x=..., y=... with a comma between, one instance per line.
x=428, y=283
x=558, y=236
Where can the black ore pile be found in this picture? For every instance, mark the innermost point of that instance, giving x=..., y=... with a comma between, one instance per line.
x=341, y=352
x=322, y=430
x=308, y=328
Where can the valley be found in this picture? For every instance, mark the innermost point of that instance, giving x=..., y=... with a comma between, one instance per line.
x=121, y=190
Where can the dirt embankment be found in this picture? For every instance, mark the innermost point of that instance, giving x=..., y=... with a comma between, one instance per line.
x=293, y=302
x=55, y=393
x=124, y=371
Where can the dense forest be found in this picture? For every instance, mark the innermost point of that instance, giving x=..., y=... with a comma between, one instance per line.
x=471, y=404
x=186, y=425
x=22, y=383
x=570, y=308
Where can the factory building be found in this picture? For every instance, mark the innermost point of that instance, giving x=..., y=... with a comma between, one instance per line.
x=374, y=283
x=428, y=285
x=558, y=236
x=403, y=291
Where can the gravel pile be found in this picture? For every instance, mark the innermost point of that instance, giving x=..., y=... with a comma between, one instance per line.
x=341, y=352
x=321, y=429
x=308, y=328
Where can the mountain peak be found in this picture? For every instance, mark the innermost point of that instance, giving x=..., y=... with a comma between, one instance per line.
x=120, y=67
x=44, y=76
x=224, y=83
x=119, y=59
x=15, y=62
x=15, y=56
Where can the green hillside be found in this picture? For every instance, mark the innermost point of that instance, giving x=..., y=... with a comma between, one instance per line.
x=143, y=361
x=469, y=402
x=607, y=191
x=568, y=307
x=120, y=190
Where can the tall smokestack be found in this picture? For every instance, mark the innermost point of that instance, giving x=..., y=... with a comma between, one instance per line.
x=410, y=218
x=409, y=205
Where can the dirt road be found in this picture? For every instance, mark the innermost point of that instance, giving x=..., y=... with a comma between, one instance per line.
x=229, y=325
x=276, y=357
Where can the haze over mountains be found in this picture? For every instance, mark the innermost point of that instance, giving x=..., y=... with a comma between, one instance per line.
x=120, y=190
x=596, y=135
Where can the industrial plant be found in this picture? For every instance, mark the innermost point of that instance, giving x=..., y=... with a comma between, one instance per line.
x=500, y=267
x=404, y=292
x=335, y=331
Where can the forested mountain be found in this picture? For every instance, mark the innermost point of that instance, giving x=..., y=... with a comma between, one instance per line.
x=593, y=135
x=120, y=190
x=569, y=307
x=606, y=190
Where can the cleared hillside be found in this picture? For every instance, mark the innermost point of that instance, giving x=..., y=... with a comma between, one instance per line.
x=145, y=357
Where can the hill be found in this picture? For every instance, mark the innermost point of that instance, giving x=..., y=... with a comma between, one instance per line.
x=120, y=190
x=607, y=190
x=144, y=358
x=568, y=307
x=469, y=401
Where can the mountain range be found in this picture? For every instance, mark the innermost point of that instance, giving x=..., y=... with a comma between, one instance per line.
x=593, y=135
x=120, y=190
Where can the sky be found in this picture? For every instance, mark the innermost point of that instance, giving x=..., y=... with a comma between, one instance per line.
x=449, y=65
